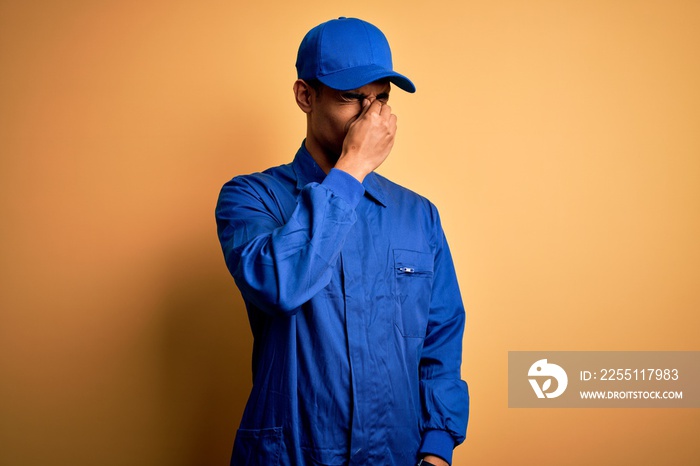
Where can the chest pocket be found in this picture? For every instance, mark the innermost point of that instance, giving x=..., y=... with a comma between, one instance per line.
x=413, y=272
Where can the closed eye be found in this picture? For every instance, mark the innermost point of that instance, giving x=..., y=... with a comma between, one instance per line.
x=383, y=97
x=353, y=96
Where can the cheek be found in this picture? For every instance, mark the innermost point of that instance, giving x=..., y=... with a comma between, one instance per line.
x=348, y=117
x=336, y=122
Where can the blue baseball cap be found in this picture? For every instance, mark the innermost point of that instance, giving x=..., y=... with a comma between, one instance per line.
x=347, y=53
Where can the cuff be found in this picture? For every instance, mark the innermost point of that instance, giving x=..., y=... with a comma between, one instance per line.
x=438, y=443
x=345, y=186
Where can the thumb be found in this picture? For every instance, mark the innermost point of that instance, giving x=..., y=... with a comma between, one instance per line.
x=365, y=106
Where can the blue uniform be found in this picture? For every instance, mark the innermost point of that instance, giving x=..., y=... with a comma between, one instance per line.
x=356, y=315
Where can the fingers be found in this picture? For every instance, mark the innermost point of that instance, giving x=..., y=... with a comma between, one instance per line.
x=385, y=110
x=366, y=106
x=375, y=106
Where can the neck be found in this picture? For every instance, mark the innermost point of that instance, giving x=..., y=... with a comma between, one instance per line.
x=324, y=160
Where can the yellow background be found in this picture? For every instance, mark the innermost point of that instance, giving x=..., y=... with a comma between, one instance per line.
x=560, y=140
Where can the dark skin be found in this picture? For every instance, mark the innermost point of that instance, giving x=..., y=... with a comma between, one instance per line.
x=352, y=131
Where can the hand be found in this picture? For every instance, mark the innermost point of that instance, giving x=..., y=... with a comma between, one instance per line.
x=436, y=460
x=369, y=140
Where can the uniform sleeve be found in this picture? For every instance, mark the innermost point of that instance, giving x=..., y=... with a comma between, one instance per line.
x=279, y=249
x=444, y=395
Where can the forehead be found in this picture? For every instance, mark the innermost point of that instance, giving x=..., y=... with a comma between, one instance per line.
x=383, y=86
x=376, y=87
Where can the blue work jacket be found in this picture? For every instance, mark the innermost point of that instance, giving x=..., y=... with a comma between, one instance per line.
x=356, y=315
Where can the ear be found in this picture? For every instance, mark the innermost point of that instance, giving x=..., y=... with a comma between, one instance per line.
x=304, y=95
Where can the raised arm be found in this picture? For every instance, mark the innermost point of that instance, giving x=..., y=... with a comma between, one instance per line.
x=278, y=248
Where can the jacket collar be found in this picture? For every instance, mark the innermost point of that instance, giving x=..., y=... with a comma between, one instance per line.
x=307, y=171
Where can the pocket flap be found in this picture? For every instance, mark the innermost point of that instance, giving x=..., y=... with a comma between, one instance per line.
x=408, y=262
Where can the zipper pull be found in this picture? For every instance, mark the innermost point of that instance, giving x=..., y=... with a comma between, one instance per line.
x=407, y=269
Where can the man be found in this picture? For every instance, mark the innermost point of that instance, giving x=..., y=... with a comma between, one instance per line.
x=348, y=281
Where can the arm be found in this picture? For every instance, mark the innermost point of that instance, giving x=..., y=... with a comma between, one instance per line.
x=278, y=260
x=444, y=395
x=279, y=263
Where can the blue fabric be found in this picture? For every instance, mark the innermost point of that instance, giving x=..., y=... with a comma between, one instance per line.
x=356, y=315
x=347, y=53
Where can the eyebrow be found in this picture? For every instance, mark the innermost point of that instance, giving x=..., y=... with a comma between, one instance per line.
x=353, y=95
x=358, y=96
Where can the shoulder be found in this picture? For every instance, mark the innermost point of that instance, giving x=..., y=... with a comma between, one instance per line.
x=269, y=182
x=406, y=198
x=271, y=191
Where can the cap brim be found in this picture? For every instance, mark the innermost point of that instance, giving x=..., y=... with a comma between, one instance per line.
x=354, y=78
